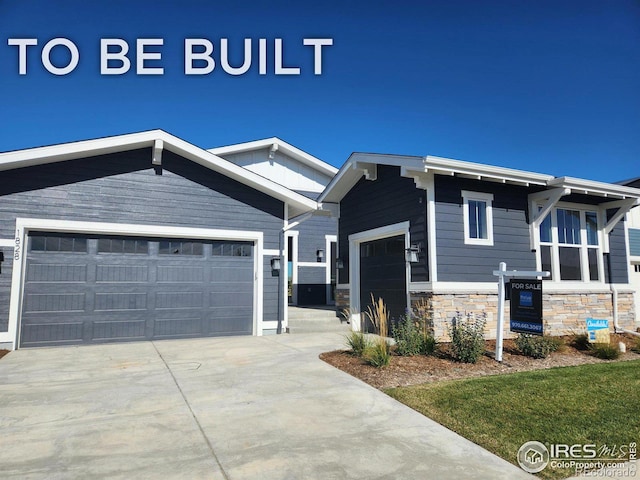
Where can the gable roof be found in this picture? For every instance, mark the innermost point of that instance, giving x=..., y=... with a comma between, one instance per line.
x=158, y=140
x=277, y=144
x=363, y=164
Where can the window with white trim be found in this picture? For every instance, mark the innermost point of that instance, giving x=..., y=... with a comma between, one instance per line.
x=570, y=245
x=478, y=218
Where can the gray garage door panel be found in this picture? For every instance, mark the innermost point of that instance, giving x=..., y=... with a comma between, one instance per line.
x=101, y=290
x=383, y=275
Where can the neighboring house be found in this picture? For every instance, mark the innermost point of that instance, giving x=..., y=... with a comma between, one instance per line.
x=633, y=229
x=137, y=237
x=310, y=239
x=412, y=228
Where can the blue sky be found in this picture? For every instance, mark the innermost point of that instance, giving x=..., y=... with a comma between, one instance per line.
x=547, y=86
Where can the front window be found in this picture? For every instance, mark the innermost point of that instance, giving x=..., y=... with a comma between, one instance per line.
x=478, y=218
x=570, y=245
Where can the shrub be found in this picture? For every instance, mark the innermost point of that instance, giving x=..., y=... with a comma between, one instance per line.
x=636, y=346
x=605, y=351
x=536, y=346
x=357, y=343
x=412, y=339
x=467, y=336
x=429, y=345
x=581, y=342
x=378, y=354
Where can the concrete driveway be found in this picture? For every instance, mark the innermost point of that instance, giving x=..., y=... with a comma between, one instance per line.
x=222, y=408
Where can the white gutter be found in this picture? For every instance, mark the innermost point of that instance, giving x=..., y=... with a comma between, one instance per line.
x=617, y=328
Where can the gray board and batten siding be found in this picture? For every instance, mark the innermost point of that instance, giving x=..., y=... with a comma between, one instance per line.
x=125, y=188
x=388, y=200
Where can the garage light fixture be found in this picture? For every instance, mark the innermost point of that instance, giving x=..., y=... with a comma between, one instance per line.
x=339, y=263
x=275, y=266
x=411, y=253
x=320, y=255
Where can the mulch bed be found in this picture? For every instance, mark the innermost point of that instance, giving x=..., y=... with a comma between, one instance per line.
x=3, y=353
x=404, y=371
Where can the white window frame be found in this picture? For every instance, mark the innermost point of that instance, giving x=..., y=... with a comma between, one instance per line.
x=482, y=197
x=583, y=246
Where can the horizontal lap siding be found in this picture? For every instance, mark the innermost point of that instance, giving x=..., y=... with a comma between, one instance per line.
x=617, y=270
x=124, y=188
x=388, y=200
x=458, y=262
x=312, y=237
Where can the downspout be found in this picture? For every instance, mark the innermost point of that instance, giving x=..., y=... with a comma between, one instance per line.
x=614, y=299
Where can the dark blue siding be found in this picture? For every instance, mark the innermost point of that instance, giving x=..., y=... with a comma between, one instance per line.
x=388, y=200
x=458, y=262
x=312, y=237
x=617, y=269
x=124, y=188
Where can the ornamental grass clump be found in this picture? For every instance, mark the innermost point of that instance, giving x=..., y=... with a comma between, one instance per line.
x=467, y=336
x=357, y=343
x=605, y=351
x=379, y=353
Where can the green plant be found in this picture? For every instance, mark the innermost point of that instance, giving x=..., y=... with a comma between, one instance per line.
x=536, y=346
x=378, y=354
x=580, y=341
x=411, y=338
x=605, y=351
x=467, y=336
x=357, y=342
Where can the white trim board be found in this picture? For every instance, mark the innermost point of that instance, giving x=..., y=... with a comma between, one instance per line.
x=26, y=225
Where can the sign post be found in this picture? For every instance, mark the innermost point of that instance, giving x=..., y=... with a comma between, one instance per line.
x=501, y=273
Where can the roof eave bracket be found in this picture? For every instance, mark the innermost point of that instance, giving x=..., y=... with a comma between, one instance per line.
x=158, y=146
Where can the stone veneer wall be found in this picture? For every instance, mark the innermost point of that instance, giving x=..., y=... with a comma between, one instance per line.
x=342, y=299
x=564, y=313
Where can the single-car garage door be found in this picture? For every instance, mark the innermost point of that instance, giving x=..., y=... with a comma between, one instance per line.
x=383, y=275
x=90, y=289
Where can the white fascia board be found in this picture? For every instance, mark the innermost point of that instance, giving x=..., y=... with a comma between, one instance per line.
x=70, y=151
x=355, y=167
x=155, y=138
x=447, y=166
x=287, y=148
x=591, y=187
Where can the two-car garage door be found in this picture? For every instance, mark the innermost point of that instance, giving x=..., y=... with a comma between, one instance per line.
x=89, y=289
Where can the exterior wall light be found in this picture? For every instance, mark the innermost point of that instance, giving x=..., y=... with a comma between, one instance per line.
x=411, y=254
x=275, y=266
x=320, y=255
x=339, y=263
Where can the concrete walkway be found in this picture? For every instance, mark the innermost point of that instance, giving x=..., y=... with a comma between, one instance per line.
x=223, y=408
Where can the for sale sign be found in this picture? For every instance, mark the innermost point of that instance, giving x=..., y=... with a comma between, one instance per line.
x=526, y=306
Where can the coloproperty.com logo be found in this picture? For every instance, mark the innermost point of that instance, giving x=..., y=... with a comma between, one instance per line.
x=589, y=460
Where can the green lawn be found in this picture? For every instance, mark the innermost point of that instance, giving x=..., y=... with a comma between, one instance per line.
x=573, y=405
